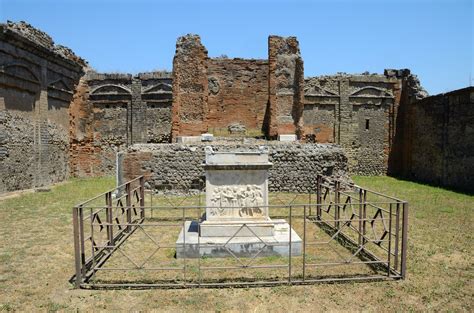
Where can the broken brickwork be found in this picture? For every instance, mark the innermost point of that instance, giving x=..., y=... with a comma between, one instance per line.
x=54, y=120
x=285, y=86
x=359, y=112
x=295, y=165
x=112, y=111
x=190, y=87
x=238, y=93
x=265, y=96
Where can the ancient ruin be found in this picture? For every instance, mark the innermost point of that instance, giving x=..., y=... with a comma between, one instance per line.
x=229, y=171
x=37, y=83
x=59, y=118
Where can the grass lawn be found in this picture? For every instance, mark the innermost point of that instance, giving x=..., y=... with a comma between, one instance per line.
x=36, y=261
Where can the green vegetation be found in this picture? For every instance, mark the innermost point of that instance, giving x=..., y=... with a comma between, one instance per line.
x=36, y=261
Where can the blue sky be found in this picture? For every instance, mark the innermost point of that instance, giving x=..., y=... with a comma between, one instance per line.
x=434, y=38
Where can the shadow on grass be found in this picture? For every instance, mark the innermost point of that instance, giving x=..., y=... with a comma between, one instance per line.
x=409, y=179
x=351, y=246
x=233, y=283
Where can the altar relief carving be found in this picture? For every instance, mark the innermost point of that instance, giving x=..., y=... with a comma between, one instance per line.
x=242, y=201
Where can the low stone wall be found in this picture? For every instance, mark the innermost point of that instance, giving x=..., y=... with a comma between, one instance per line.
x=295, y=166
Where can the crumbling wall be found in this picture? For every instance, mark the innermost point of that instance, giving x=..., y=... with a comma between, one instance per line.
x=99, y=123
x=438, y=140
x=37, y=80
x=359, y=112
x=238, y=93
x=190, y=87
x=285, y=86
x=112, y=111
x=263, y=96
x=295, y=166
x=370, y=116
x=157, y=98
x=410, y=91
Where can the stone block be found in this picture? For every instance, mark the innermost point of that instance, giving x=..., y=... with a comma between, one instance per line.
x=207, y=137
x=290, y=137
x=236, y=185
x=245, y=228
x=188, y=139
x=190, y=245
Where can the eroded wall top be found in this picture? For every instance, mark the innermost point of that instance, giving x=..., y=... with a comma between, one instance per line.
x=22, y=31
x=37, y=83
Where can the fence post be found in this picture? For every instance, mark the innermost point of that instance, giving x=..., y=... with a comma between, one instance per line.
x=360, y=216
x=397, y=234
x=404, y=240
x=110, y=230
x=304, y=243
x=364, y=217
x=142, y=197
x=389, y=240
x=290, y=245
x=128, y=200
x=77, y=248
x=318, y=197
x=337, y=198
x=81, y=237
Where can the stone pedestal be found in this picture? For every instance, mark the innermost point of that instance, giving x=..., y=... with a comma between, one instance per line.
x=195, y=246
x=237, y=211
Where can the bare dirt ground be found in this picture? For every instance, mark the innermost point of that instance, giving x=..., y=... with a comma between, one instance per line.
x=36, y=261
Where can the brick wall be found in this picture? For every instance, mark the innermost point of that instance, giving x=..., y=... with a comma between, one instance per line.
x=113, y=111
x=51, y=126
x=285, y=86
x=238, y=93
x=190, y=87
x=262, y=95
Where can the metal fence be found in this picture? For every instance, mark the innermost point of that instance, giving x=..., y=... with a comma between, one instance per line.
x=126, y=237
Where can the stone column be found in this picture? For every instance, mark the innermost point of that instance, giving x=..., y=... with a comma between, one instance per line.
x=285, y=86
x=138, y=113
x=348, y=129
x=190, y=87
x=41, y=139
x=3, y=137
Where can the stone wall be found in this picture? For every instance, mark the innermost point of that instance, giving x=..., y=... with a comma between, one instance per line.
x=295, y=166
x=438, y=142
x=37, y=82
x=113, y=111
x=359, y=112
x=52, y=123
